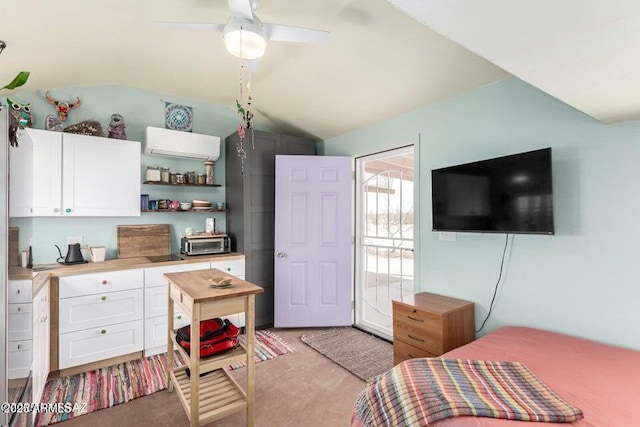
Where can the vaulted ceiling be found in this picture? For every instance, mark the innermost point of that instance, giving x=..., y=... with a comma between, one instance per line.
x=379, y=62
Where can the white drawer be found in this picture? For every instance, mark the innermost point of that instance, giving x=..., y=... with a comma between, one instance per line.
x=153, y=276
x=19, y=358
x=91, y=345
x=20, y=320
x=155, y=330
x=93, y=311
x=155, y=302
x=234, y=267
x=19, y=291
x=95, y=283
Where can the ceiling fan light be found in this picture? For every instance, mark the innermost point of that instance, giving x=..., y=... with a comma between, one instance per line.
x=245, y=43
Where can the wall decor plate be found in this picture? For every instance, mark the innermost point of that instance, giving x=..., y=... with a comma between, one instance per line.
x=178, y=117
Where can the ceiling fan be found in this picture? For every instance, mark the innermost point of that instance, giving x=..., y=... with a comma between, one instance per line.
x=245, y=36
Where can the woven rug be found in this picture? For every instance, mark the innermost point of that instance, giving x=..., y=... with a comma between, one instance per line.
x=364, y=355
x=113, y=385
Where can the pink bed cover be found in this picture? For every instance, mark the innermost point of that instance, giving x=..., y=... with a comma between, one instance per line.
x=602, y=380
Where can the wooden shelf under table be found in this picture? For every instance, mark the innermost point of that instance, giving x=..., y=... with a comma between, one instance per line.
x=237, y=355
x=219, y=394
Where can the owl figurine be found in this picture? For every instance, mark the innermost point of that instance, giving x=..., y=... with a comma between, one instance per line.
x=22, y=113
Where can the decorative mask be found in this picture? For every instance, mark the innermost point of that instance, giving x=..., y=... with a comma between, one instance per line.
x=21, y=112
x=62, y=107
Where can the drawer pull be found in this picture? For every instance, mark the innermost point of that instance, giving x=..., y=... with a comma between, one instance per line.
x=104, y=282
x=104, y=331
x=19, y=346
x=19, y=309
x=415, y=339
x=18, y=291
x=416, y=319
x=179, y=317
x=103, y=297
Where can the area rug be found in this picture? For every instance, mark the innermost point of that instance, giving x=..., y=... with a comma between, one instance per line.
x=364, y=355
x=103, y=388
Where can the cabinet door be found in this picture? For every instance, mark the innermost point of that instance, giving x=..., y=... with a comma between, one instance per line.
x=21, y=182
x=100, y=176
x=47, y=172
x=41, y=341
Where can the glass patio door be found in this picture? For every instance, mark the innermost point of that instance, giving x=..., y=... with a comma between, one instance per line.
x=384, y=237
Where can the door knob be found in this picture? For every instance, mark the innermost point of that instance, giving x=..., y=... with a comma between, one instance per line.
x=279, y=254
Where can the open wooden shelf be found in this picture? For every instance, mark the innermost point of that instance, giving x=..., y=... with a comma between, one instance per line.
x=219, y=394
x=181, y=211
x=231, y=357
x=180, y=184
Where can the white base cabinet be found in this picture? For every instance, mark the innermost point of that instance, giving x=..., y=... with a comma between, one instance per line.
x=19, y=327
x=155, y=304
x=101, y=315
x=41, y=341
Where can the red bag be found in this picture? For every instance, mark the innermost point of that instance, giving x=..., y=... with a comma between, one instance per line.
x=216, y=336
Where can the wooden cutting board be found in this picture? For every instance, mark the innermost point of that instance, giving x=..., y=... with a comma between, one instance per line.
x=14, y=255
x=144, y=240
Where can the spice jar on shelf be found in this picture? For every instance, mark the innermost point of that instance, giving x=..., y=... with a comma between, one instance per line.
x=190, y=177
x=153, y=174
x=208, y=171
x=165, y=175
x=201, y=179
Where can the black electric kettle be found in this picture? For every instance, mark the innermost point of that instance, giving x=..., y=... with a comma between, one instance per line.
x=74, y=256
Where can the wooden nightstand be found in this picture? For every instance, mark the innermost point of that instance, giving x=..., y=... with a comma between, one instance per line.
x=432, y=326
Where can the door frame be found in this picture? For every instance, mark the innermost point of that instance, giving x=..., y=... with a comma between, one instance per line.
x=357, y=224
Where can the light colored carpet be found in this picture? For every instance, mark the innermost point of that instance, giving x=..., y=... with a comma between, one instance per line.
x=361, y=353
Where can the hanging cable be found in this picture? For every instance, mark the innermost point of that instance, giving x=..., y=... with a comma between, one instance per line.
x=495, y=291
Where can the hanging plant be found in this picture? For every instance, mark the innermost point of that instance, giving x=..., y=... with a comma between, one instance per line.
x=18, y=81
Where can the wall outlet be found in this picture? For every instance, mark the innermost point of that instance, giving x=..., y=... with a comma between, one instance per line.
x=74, y=239
x=447, y=236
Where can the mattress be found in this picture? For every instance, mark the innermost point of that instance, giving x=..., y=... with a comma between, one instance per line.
x=602, y=380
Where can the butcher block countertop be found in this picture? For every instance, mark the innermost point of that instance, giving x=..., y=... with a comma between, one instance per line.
x=45, y=272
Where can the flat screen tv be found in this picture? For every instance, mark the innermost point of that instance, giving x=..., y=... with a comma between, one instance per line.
x=510, y=194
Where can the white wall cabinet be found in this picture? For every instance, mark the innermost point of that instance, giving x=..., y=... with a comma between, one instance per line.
x=20, y=183
x=79, y=175
x=41, y=341
x=100, y=316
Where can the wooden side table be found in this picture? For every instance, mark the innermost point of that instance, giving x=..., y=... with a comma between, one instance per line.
x=433, y=325
x=216, y=394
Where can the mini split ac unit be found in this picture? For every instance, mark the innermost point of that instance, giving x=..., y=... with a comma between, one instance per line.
x=184, y=145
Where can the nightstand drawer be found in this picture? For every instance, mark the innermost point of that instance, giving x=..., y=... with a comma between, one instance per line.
x=418, y=328
x=403, y=351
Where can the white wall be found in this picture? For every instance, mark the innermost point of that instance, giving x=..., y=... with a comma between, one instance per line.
x=584, y=280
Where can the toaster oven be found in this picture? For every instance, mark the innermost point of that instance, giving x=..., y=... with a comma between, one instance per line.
x=191, y=245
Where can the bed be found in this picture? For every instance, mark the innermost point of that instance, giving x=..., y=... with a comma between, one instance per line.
x=601, y=380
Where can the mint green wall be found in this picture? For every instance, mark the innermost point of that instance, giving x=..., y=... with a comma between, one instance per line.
x=140, y=109
x=581, y=281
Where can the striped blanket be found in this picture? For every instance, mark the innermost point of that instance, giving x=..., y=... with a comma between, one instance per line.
x=418, y=392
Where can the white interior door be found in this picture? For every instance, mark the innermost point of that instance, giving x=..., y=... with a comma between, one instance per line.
x=384, y=237
x=313, y=234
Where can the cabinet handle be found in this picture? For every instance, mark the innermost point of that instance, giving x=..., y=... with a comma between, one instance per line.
x=103, y=297
x=104, y=281
x=68, y=210
x=416, y=319
x=415, y=339
x=56, y=210
x=18, y=346
x=179, y=317
x=19, y=309
x=18, y=291
x=104, y=331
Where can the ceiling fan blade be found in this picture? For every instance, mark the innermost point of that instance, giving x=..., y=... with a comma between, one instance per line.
x=191, y=26
x=286, y=33
x=241, y=9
